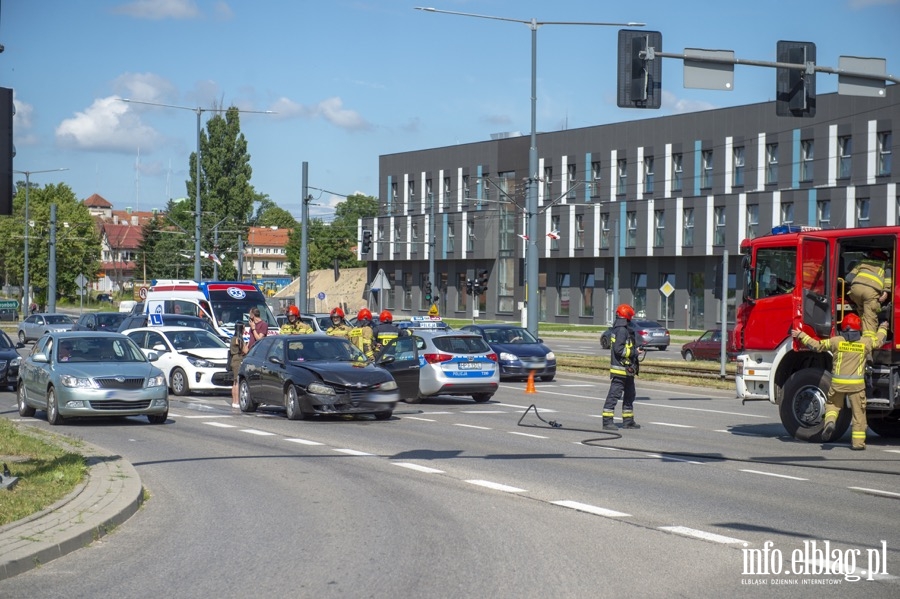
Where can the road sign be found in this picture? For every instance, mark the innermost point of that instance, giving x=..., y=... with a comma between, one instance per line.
x=9, y=304
x=380, y=282
x=81, y=280
x=320, y=296
x=667, y=289
x=156, y=319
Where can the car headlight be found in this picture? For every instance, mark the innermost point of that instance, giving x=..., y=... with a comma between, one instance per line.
x=77, y=382
x=388, y=386
x=157, y=381
x=551, y=355
x=200, y=362
x=505, y=356
x=320, y=389
x=15, y=361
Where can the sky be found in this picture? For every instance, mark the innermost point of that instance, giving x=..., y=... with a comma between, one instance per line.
x=337, y=83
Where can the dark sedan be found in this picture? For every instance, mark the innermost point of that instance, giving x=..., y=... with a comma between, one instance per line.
x=315, y=374
x=9, y=361
x=518, y=350
x=708, y=347
x=647, y=333
x=99, y=321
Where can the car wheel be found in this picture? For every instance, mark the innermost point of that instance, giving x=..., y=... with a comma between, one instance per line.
x=383, y=415
x=663, y=348
x=482, y=397
x=53, y=416
x=25, y=410
x=22, y=336
x=292, y=403
x=247, y=404
x=688, y=356
x=416, y=399
x=802, y=407
x=604, y=342
x=179, y=382
x=548, y=379
x=158, y=418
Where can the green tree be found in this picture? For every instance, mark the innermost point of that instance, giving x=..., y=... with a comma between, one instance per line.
x=344, y=232
x=269, y=214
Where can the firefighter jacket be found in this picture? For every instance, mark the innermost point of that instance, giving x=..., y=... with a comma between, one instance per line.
x=363, y=338
x=623, y=358
x=385, y=333
x=849, y=351
x=340, y=330
x=870, y=273
x=298, y=327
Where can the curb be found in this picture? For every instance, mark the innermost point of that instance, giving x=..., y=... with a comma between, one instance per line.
x=110, y=495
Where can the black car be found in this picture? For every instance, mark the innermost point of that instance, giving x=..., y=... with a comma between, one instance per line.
x=315, y=374
x=137, y=321
x=104, y=297
x=99, y=321
x=520, y=353
x=11, y=314
x=9, y=361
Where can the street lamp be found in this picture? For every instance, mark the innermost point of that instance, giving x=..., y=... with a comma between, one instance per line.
x=531, y=196
x=26, y=291
x=197, y=210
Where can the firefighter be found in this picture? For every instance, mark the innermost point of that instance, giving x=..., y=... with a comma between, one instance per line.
x=850, y=350
x=361, y=336
x=294, y=326
x=623, y=367
x=386, y=330
x=870, y=281
x=338, y=327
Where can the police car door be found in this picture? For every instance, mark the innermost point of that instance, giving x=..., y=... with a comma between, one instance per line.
x=400, y=358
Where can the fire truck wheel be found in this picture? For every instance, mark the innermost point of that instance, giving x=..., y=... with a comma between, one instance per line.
x=803, y=406
x=889, y=428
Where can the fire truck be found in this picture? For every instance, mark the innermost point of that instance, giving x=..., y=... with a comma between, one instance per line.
x=797, y=277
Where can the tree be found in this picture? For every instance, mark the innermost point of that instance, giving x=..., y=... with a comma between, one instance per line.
x=345, y=227
x=269, y=214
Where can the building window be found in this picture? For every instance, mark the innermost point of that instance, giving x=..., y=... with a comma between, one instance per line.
x=648, y=174
x=398, y=231
x=622, y=174
x=411, y=191
x=677, y=172
x=752, y=221
x=771, y=163
x=706, y=170
x=719, y=223
x=570, y=182
x=414, y=233
x=787, y=213
x=659, y=221
x=737, y=175
x=380, y=232
x=604, y=231
x=596, y=170
x=394, y=194
x=823, y=213
x=587, y=294
x=465, y=187
x=631, y=229
x=470, y=236
x=461, y=292
x=688, y=222
x=548, y=179
x=554, y=226
x=807, y=155
x=423, y=278
x=407, y=290
x=579, y=231
x=562, y=294
x=447, y=189
x=451, y=237
x=845, y=151
x=639, y=293
x=885, y=141
x=862, y=212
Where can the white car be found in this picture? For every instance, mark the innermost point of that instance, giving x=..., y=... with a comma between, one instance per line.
x=192, y=359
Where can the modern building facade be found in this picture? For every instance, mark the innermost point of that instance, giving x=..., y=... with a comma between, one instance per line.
x=639, y=212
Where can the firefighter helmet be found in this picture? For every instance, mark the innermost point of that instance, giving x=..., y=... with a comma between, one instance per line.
x=293, y=311
x=878, y=255
x=625, y=311
x=386, y=316
x=851, y=323
x=363, y=314
x=337, y=312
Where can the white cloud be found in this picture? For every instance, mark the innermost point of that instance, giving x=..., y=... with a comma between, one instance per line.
x=106, y=125
x=159, y=9
x=680, y=105
x=22, y=123
x=144, y=87
x=330, y=109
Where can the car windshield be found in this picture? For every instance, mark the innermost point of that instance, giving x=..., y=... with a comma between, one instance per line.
x=100, y=349
x=110, y=321
x=461, y=345
x=509, y=335
x=647, y=324
x=193, y=339
x=194, y=322
x=5, y=341
x=324, y=349
x=58, y=319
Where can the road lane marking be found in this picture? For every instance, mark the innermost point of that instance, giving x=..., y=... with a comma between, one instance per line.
x=417, y=418
x=701, y=534
x=482, y=411
x=195, y=416
x=304, y=442
x=591, y=509
x=892, y=450
x=875, y=491
x=254, y=431
x=418, y=468
x=484, y=428
x=773, y=474
x=354, y=452
x=528, y=435
x=672, y=424
x=509, y=405
x=220, y=424
x=496, y=486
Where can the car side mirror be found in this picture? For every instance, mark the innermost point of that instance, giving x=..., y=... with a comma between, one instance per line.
x=40, y=358
x=540, y=340
x=19, y=345
x=152, y=356
x=159, y=347
x=387, y=360
x=276, y=360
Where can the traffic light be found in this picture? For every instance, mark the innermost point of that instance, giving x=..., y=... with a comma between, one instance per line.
x=470, y=287
x=366, y=242
x=7, y=150
x=795, y=90
x=483, y=281
x=639, y=71
x=427, y=290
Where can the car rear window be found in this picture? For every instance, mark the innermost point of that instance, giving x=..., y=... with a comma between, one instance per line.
x=461, y=345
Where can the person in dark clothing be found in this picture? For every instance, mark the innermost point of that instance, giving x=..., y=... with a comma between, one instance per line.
x=623, y=367
x=386, y=330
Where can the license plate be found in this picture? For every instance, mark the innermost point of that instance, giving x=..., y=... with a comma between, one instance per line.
x=469, y=365
x=658, y=334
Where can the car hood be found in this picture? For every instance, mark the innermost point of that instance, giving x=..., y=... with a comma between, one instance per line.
x=207, y=353
x=345, y=373
x=106, y=369
x=522, y=349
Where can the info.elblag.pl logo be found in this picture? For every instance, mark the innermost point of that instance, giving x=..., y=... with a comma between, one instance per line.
x=815, y=562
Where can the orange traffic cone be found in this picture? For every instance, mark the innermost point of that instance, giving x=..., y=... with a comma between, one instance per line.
x=529, y=388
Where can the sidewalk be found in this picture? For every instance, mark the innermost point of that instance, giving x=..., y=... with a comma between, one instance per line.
x=111, y=494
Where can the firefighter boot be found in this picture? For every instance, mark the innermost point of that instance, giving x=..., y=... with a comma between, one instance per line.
x=858, y=440
x=828, y=429
x=628, y=420
x=608, y=424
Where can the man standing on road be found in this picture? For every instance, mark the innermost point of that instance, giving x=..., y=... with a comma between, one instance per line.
x=259, y=328
x=386, y=331
x=362, y=336
x=294, y=326
x=338, y=327
x=623, y=367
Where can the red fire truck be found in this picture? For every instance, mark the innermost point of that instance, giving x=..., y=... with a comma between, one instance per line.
x=796, y=277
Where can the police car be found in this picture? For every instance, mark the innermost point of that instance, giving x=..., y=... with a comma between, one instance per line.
x=423, y=323
x=455, y=363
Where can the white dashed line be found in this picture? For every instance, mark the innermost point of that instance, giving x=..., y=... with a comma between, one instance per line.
x=484, y=428
x=354, y=452
x=892, y=450
x=528, y=435
x=304, y=442
x=701, y=534
x=509, y=405
x=672, y=424
x=875, y=491
x=496, y=486
x=773, y=474
x=195, y=416
x=482, y=411
x=418, y=468
x=417, y=418
x=254, y=431
x=220, y=424
x=438, y=413
x=591, y=509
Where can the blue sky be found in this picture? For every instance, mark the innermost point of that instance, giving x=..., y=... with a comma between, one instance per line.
x=354, y=79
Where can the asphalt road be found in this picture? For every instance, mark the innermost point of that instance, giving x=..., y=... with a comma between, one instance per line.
x=455, y=499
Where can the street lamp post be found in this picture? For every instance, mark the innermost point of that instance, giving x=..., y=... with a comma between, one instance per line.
x=531, y=195
x=26, y=291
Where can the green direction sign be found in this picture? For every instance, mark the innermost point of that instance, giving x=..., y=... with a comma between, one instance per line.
x=14, y=304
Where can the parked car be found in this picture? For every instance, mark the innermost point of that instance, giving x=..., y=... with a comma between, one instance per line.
x=647, y=333
x=519, y=352
x=315, y=375
x=137, y=321
x=104, y=297
x=456, y=363
x=192, y=359
x=708, y=346
x=99, y=321
x=36, y=325
x=10, y=314
x=9, y=361
x=86, y=373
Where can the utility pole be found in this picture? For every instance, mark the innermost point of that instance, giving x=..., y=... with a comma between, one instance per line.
x=301, y=300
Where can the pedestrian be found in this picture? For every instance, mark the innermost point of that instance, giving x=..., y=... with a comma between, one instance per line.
x=236, y=349
x=33, y=308
x=870, y=281
x=259, y=328
x=623, y=367
x=362, y=336
x=850, y=350
x=385, y=331
x=294, y=326
x=338, y=327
